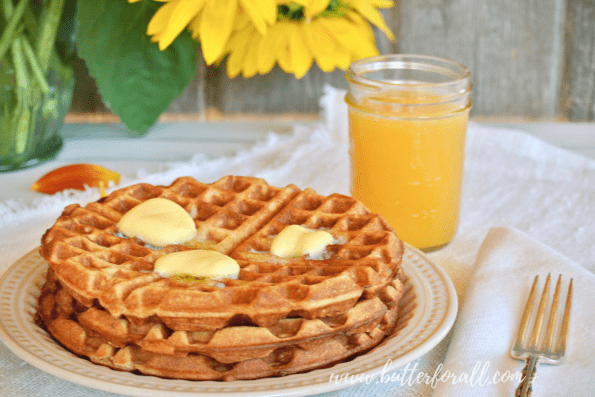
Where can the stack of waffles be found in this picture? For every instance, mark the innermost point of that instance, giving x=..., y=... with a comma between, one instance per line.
x=103, y=301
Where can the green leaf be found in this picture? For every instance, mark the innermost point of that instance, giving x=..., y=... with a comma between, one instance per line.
x=136, y=80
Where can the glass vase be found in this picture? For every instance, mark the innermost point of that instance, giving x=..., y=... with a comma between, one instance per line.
x=36, y=80
x=30, y=131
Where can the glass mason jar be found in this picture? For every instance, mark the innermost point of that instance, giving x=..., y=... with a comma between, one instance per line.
x=32, y=109
x=407, y=124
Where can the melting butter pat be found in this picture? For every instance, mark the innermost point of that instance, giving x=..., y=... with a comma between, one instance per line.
x=295, y=241
x=197, y=263
x=158, y=222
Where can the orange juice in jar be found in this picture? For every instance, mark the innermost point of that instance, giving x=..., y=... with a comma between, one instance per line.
x=407, y=123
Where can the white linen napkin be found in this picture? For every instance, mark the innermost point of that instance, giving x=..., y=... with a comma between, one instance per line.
x=478, y=356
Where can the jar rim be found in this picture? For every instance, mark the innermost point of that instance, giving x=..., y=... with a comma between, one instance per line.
x=428, y=63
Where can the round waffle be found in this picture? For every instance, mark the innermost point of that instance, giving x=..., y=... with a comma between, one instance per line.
x=103, y=300
x=237, y=352
x=229, y=345
x=93, y=262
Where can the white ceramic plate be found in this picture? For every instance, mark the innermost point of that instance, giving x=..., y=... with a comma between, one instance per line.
x=430, y=307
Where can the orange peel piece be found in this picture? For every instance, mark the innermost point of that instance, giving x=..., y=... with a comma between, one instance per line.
x=75, y=176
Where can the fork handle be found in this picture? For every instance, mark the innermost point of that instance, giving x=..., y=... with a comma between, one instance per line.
x=524, y=389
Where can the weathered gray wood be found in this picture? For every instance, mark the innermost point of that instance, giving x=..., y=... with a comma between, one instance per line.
x=86, y=98
x=578, y=101
x=508, y=45
x=192, y=100
x=275, y=92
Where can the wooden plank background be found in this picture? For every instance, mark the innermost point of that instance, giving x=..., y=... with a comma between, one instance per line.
x=531, y=60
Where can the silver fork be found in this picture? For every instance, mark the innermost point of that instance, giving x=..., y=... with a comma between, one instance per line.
x=537, y=350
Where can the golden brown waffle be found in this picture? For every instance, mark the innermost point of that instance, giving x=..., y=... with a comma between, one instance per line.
x=68, y=321
x=231, y=344
x=103, y=300
x=94, y=263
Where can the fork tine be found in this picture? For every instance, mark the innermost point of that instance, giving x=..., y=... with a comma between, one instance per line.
x=520, y=336
x=565, y=322
x=532, y=355
x=533, y=342
x=548, y=341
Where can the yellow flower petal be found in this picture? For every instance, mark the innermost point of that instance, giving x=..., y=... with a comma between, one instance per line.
x=315, y=7
x=342, y=57
x=183, y=12
x=237, y=46
x=261, y=12
x=361, y=25
x=322, y=45
x=371, y=14
x=351, y=36
x=283, y=54
x=216, y=24
x=268, y=10
x=280, y=48
x=241, y=21
x=251, y=60
x=267, y=50
x=194, y=27
x=382, y=3
x=301, y=57
x=158, y=23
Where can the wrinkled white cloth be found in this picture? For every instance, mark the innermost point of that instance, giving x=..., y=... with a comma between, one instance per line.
x=511, y=179
x=477, y=362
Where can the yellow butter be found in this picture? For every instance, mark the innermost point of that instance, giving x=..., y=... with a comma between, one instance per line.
x=158, y=222
x=197, y=263
x=295, y=241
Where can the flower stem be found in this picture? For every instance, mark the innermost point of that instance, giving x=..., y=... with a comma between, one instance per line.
x=35, y=67
x=22, y=112
x=49, y=30
x=15, y=15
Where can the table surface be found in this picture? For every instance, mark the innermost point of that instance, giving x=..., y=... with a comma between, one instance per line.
x=110, y=145
x=566, y=214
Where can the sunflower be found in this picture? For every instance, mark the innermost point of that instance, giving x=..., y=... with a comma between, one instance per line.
x=210, y=21
x=258, y=34
x=332, y=33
